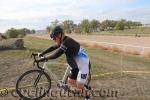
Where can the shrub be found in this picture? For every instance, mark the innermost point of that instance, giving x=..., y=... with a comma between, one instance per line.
x=16, y=33
x=11, y=33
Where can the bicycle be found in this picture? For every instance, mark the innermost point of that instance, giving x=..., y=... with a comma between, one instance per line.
x=42, y=77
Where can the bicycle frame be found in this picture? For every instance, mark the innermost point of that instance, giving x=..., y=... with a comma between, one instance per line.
x=53, y=76
x=44, y=70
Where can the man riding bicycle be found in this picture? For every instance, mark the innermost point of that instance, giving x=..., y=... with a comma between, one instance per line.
x=76, y=57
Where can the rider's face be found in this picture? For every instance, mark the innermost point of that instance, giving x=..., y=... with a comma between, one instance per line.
x=57, y=39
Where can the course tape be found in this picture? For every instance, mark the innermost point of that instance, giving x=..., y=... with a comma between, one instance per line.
x=119, y=72
x=94, y=76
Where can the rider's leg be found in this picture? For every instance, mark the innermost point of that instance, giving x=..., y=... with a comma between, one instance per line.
x=81, y=79
x=72, y=82
x=73, y=76
x=79, y=82
x=80, y=86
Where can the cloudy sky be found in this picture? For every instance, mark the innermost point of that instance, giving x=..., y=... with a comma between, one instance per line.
x=37, y=14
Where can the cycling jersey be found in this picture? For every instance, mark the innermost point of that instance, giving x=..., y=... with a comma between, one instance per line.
x=76, y=56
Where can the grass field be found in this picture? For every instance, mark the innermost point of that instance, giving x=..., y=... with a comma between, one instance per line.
x=130, y=85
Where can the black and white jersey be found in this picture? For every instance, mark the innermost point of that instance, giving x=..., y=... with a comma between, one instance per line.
x=71, y=48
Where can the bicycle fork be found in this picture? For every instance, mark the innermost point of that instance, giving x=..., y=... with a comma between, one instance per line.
x=37, y=79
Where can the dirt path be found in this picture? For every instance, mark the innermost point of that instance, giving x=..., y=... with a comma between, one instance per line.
x=133, y=45
x=126, y=40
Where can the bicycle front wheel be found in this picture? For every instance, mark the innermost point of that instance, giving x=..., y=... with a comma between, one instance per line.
x=33, y=85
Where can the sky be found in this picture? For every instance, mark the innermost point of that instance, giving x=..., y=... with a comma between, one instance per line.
x=37, y=14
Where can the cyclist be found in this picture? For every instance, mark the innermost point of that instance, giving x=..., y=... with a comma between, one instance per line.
x=76, y=57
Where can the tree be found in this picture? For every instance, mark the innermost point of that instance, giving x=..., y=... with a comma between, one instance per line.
x=48, y=29
x=32, y=31
x=129, y=24
x=113, y=23
x=121, y=24
x=68, y=26
x=108, y=24
x=54, y=24
x=137, y=24
x=77, y=29
x=85, y=26
x=94, y=25
x=105, y=25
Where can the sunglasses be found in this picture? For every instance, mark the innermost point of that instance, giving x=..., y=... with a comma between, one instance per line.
x=54, y=38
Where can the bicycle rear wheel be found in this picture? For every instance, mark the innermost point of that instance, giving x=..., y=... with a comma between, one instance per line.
x=33, y=85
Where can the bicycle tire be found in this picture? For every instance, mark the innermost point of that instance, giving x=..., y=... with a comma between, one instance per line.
x=40, y=72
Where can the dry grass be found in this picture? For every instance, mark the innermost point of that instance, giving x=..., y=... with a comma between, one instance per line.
x=115, y=49
x=133, y=52
x=84, y=44
x=101, y=46
x=94, y=45
x=148, y=54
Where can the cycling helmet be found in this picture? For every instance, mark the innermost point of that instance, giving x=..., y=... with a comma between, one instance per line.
x=56, y=31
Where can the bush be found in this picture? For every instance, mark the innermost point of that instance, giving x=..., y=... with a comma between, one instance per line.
x=11, y=33
x=16, y=33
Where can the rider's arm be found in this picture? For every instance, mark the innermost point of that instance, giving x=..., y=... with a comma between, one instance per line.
x=50, y=49
x=62, y=49
x=56, y=54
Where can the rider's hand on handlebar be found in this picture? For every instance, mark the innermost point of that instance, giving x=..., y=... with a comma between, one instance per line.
x=40, y=55
x=42, y=59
